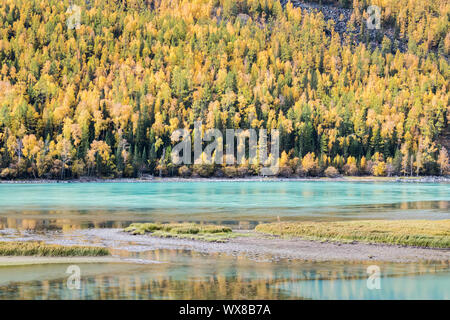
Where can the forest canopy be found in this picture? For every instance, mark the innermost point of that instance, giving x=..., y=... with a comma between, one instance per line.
x=103, y=98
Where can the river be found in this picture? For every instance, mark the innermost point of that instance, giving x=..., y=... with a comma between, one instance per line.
x=36, y=209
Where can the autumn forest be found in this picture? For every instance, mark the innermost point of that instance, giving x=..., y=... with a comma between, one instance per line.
x=101, y=98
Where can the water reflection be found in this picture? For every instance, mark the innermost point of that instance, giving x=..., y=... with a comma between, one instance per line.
x=425, y=287
x=244, y=219
x=54, y=208
x=191, y=275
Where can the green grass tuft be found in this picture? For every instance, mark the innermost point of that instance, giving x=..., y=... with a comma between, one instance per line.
x=211, y=233
x=33, y=248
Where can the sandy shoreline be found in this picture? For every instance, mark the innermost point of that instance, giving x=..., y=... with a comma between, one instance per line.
x=253, y=245
x=263, y=247
x=33, y=260
x=425, y=179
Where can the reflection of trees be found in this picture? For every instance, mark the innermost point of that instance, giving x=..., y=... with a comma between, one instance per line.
x=134, y=287
x=193, y=275
x=70, y=219
x=61, y=224
x=56, y=220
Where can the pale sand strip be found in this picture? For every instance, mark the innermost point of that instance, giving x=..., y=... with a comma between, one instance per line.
x=33, y=260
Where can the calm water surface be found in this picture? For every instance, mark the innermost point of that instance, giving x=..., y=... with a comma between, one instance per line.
x=107, y=204
x=190, y=275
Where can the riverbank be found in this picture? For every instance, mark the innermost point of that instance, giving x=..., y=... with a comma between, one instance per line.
x=151, y=179
x=250, y=243
x=416, y=233
x=270, y=247
x=253, y=245
x=33, y=260
x=353, y=240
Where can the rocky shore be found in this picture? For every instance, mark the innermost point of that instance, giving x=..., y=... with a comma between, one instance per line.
x=152, y=179
x=341, y=16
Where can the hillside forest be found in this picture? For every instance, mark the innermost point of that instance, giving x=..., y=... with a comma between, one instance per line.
x=101, y=98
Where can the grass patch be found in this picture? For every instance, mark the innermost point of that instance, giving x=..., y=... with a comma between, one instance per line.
x=420, y=233
x=34, y=248
x=193, y=231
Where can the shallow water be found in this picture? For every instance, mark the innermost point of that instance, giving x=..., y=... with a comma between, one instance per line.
x=45, y=208
x=190, y=275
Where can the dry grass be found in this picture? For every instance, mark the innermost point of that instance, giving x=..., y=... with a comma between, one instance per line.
x=192, y=231
x=421, y=233
x=33, y=248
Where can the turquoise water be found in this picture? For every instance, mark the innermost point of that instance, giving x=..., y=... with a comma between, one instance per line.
x=191, y=275
x=219, y=195
x=224, y=202
x=423, y=287
x=44, y=208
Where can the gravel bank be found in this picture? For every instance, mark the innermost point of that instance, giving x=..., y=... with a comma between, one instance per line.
x=252, y=244
x=258, y=246
x=151, y=179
